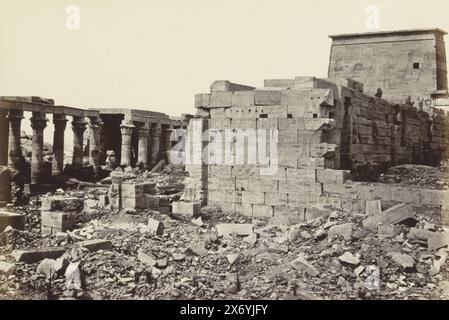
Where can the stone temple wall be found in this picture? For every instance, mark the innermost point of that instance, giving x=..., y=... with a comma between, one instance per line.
x=328, y=132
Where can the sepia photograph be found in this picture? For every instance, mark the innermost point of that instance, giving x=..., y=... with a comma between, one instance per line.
x=224, y=155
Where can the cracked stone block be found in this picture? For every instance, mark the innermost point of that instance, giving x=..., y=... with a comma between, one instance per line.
x=241, y=229
x=37, y=254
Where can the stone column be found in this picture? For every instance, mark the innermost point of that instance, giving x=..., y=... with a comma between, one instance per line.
x=155, y=133
x=127, y=130
x=14, y=149
x=60, y=122
x=94, y=143
x=78, y=126
x=142, y=158
x=4, y=131
x=38, y=124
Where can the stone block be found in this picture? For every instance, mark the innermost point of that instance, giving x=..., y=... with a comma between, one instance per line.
x=152, y=201
x=233, y=196
x=5, y=184
x=221, y=99
x=155, y=227
x=332, y=176
x=15, y=220
x=262, y=211
x=243, y=99
x=216, y=195
x=61, y=203
x=202, y=100
x=240, y=229
x=187, y=208
x=244, y=209
x=249, y=197
x=433, y=197
x=34, y=255
x=344, y=230
x=274, y=198
x=388, y=230
x=268, y=96
x=137, y=202
x=406, y=195
x=263, y=185
x=399, y=214
x=95, y=244
x=56, y=219
x=301, y=175
x=373, y=207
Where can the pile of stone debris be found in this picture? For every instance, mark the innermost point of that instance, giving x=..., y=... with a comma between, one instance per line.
x=394, y=253
x=418, y=176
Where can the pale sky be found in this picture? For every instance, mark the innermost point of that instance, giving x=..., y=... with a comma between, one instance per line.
x=156, y=55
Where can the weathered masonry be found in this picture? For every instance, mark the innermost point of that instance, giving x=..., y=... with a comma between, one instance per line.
x=403, y=64
x=110, y=137
x=329, y=132
x=11, y=116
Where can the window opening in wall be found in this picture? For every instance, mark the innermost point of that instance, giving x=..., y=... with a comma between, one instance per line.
x=315, y=115
x=289, y=115
x=331, y=115
x=416, y=65
x=263, y=115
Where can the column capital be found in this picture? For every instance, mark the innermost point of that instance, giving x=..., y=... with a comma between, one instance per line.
x=38, y=121
x=15, y=115
x=127, y=129
x=95, y=122
x=155, y=131
x=143, y=131
x=79, y=124
x=60, y=122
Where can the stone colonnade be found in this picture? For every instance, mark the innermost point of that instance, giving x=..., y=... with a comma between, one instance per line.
x=11, y=150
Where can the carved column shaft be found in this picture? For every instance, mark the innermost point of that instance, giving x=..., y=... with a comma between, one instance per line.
x=78, y=126
x=94, y=143
x=38, y=124
x=155, y=133
x=142, y=159
x=4, y=132
x=60, y=123
x=127, y=130
x=14, y=149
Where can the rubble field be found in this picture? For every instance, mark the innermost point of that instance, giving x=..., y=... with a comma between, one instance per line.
x=395, y=253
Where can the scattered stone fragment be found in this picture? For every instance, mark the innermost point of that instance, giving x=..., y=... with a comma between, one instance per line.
x=359, y=270
x=278, y=248
x=399, y=214
x=62, y=236
x=232, y=257
x=404, y=260
x=73, y=277
x=294, y=234
x=197, y=249
x=349, y=258
x=241, y=229
x=145, y=258
x=60, y=265
x=155, y=227
x=7, y=268
x=389, y=230
x=178, y=257
x=198, y=221
x=302, y=265
x=161, y=263
x=46, y=267
x=342, y=230
x=438, y=241
x=95, y=244
x=251, y=238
